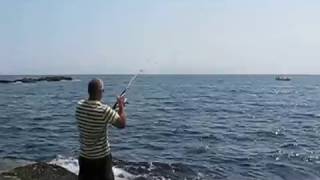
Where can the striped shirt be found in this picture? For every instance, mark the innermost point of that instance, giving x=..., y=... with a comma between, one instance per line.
x=93, y=118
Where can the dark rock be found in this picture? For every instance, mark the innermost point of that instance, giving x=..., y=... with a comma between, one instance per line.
x=55, y=78
x=38, y=171
x=6, y=81
x=44, y=78
x=27, y=80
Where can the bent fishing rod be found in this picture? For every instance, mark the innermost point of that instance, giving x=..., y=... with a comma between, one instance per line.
x=123, y=93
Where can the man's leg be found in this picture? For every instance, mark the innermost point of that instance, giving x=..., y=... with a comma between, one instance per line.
x=84, y=169
x=109, y=173
x=97, y=169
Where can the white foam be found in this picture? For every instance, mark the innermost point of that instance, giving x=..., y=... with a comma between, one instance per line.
x=72, y=165
x=69, y=163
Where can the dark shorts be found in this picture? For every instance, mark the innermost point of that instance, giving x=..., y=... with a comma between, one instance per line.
x=96, y=169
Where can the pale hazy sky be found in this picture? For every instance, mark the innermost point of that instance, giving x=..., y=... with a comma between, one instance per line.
x=159, y=36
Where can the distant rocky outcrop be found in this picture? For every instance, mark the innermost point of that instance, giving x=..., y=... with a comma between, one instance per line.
x=38, y=171
x=34, y=80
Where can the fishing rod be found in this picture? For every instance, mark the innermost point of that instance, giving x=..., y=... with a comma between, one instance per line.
x=123, y=93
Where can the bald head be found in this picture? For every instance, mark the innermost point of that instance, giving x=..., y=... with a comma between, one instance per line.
x=95, y=89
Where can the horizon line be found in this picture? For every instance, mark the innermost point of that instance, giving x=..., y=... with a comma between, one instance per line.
x=239, y=74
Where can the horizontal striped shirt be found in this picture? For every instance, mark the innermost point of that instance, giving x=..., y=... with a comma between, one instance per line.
x=93, y=118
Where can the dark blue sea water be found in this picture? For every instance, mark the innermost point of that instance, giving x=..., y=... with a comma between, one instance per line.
x=179, y=127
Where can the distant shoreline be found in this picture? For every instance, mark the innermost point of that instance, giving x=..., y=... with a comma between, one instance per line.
x=38, y=79
x=151, y=74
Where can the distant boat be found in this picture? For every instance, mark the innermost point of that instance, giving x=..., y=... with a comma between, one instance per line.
x=283, y=78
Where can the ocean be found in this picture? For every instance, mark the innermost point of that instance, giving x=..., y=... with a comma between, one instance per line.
x=233, y=127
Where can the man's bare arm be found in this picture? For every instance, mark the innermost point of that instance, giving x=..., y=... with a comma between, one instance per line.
x=121, y=122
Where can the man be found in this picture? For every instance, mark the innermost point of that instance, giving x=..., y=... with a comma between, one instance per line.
x=93, y=117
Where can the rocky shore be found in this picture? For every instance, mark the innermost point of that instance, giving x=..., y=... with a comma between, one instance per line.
x=34, y=80
x=45, y=171
x=38, y=171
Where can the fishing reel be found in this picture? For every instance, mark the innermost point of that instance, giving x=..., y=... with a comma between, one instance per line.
x=116, y=105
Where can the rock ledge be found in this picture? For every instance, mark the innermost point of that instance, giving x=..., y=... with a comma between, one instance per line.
x=38, y=171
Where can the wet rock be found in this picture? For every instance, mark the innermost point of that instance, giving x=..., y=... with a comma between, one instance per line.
x=38, y=171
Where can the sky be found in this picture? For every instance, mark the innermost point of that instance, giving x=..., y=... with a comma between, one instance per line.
x=160, y=36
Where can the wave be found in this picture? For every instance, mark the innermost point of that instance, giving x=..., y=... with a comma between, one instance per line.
x=284, y=171
x=312, y=115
